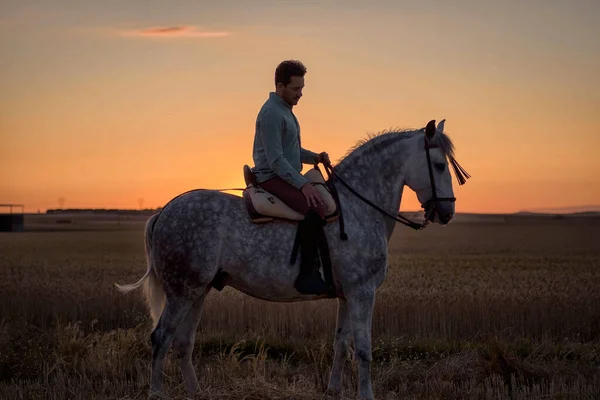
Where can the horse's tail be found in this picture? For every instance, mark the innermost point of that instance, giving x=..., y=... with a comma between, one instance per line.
x=155, y=296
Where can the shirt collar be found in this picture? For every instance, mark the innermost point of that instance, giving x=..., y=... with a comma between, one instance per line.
x=275, y=97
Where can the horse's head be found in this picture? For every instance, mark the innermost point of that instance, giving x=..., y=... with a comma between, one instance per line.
x=429, y=176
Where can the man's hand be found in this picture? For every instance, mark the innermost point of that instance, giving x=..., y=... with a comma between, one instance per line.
x=323, y=158
x=313, y=197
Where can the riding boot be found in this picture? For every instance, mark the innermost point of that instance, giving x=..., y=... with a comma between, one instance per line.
x=309, y=280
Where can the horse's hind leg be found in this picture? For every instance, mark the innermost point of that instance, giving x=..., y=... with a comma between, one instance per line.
x=184, y=343
x=176, y=309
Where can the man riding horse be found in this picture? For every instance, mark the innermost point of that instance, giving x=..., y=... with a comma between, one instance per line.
x=278, y=158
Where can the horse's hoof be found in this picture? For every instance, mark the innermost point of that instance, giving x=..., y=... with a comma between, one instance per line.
x=155, y=395
x=334, y=393
x=193, y=390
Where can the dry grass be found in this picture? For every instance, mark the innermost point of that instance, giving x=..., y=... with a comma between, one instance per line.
x=489, y=308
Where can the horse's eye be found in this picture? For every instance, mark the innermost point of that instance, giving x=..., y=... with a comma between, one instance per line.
x=440, y=167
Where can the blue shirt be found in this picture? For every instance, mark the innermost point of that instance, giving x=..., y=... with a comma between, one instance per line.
x=277, y=146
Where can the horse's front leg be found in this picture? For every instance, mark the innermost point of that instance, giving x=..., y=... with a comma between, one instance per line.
x=360, y=308
x=340, y=346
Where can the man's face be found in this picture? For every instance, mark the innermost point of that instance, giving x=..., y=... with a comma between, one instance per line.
x=292, y=92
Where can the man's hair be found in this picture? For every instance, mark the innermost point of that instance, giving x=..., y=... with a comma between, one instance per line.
x=286, y=69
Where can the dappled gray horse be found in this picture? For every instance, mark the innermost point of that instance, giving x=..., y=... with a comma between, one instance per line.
x=204, y=234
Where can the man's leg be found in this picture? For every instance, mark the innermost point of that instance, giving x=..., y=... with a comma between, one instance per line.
x=291, y=196
x=309, y=280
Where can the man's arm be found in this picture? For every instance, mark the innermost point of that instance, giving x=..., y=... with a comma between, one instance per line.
x=271, y=134
x=308, y=157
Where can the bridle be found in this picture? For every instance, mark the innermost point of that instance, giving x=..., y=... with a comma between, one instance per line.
x=429, y=205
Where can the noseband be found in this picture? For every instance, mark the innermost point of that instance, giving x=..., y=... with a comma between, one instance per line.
x=429, y=205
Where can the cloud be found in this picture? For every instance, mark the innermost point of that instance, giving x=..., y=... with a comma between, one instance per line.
x=173, y=32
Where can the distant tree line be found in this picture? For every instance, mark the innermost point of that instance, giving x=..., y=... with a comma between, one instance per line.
x=146, y=211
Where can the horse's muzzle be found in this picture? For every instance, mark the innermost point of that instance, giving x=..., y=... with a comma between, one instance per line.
x=441, y=212
x=444, y=211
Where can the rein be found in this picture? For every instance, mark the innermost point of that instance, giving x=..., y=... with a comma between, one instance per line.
x=429, y=206
x=398, y=218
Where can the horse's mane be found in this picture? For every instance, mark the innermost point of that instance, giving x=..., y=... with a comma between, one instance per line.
x=382, y=139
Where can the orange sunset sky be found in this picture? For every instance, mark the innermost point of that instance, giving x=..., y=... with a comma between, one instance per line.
x=106, y=102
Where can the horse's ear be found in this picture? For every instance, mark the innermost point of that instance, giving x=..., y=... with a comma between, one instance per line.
x=430, y=129
x=440, y=126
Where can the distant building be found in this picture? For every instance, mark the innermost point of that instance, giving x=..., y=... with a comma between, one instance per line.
x=13, y=220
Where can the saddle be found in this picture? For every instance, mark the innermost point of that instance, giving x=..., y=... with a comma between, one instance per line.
x=264, y=207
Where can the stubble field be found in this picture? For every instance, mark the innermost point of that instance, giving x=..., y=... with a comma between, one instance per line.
x=489, y=307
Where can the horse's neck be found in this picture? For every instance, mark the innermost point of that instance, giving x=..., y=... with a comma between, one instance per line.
x=377, y=174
